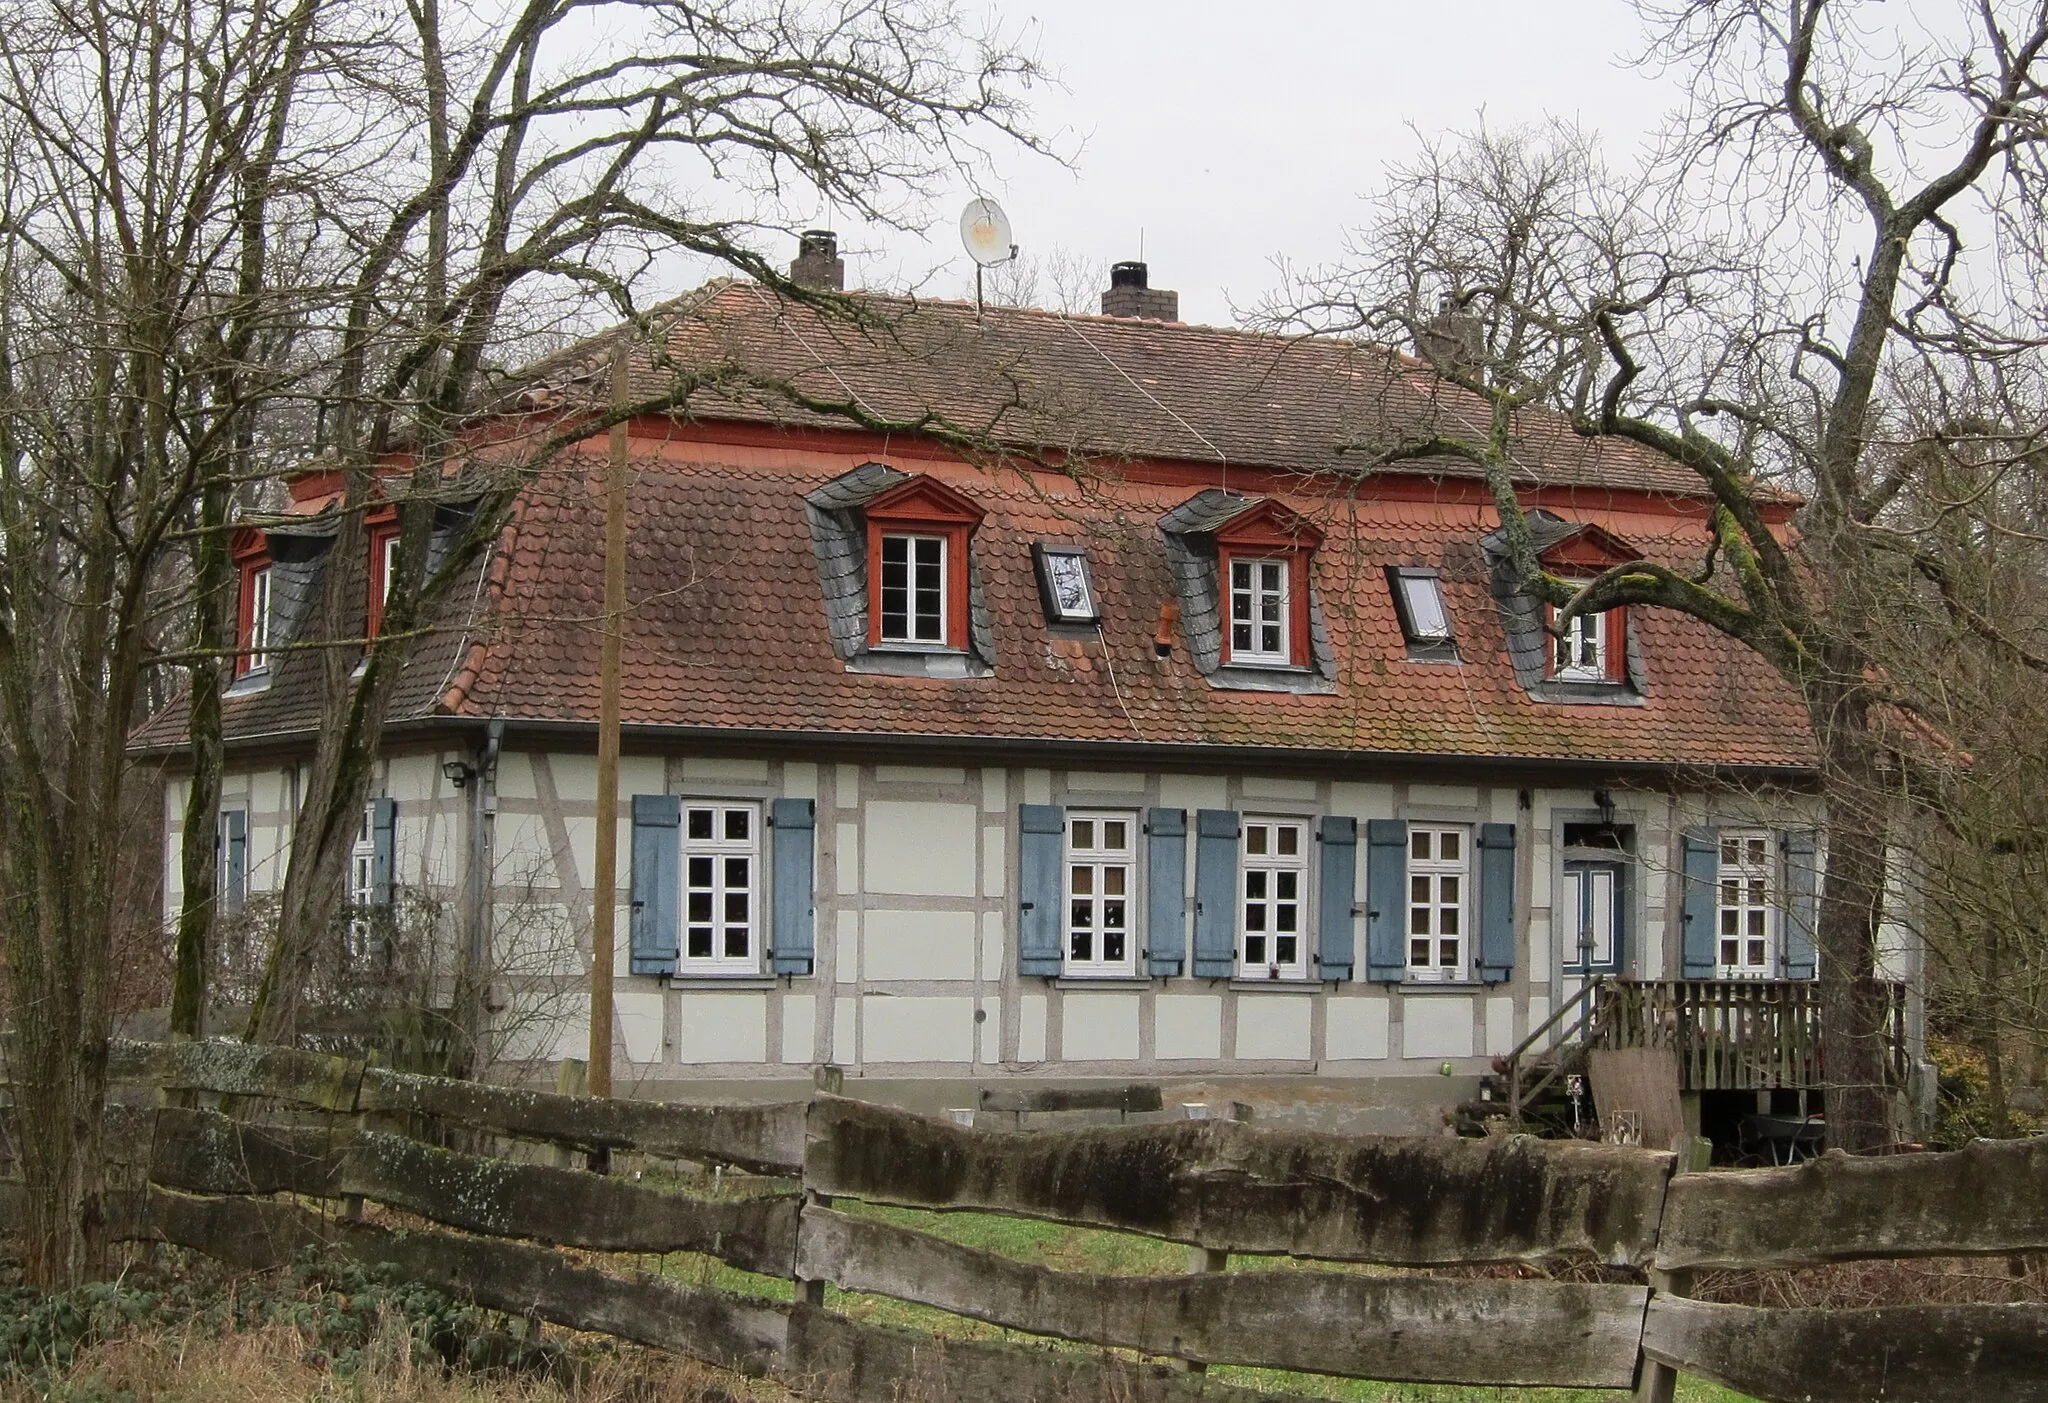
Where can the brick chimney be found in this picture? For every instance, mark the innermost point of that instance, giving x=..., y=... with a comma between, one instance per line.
x=817, y=263
x=1130, y=296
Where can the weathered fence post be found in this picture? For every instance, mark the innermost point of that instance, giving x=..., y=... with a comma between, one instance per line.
x=1658, y=1383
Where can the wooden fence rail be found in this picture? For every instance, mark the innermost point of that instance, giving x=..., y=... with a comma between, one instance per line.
x=326, y=1134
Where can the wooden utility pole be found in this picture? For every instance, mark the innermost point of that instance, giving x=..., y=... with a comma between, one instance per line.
x=604, y=899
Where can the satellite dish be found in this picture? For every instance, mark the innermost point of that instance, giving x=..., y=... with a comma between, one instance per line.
x=985, y=231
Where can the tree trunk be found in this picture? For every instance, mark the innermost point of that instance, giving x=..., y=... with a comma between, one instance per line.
x=1853, y=1008
x=198, y=859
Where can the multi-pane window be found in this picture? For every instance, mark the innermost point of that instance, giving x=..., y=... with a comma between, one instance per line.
x=1099, y=894
x=721, y=887
x=1746, y=940
x=1274, y=876
x=1581, y=654
x=258, y=641
x=1258, y=611
x=1439, y=881
x=914, y=589
x=1589, y=915
x=362, y=885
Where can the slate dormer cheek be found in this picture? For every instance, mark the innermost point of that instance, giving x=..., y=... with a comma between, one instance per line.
x=901, y=586
x=1243, y=568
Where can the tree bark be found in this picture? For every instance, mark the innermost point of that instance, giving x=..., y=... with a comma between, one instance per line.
x=1853, y=1007
x=198, y=857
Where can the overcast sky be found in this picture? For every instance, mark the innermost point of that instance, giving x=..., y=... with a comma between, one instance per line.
x=1232, y=132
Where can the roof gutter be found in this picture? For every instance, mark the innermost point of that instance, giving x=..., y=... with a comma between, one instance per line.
x=1035, y=750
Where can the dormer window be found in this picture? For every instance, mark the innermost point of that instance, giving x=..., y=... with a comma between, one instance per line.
x=256, y=618
x=1589, y=648
x=896, y=565
x=918, y=531
x=1241, y=567
x=1261, y=606
x=913, y=589
x=383, y=569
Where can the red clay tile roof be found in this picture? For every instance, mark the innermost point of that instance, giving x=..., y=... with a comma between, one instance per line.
x=1101, y=386
x=728, y=629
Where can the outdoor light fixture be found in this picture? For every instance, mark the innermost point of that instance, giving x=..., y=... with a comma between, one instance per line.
x=1604, y=802
x=458, y=772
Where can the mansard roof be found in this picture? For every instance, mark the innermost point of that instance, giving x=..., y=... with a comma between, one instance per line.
x=731, y=631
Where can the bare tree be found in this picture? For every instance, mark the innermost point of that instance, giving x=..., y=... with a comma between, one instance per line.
x=235, y=235
x=1848, y=195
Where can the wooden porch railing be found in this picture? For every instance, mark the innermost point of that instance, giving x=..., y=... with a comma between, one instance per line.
x=1734, y=1034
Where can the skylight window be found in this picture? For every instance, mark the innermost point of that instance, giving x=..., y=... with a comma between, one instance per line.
x=1419, y=599
x=1066, y=584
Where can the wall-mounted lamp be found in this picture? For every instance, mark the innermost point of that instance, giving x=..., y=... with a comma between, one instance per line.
x=1604, y=802
x=458, y=772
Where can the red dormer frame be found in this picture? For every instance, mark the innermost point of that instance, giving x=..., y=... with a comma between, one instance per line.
x=1588, y=551
x=923, y=506
x=380, y=524
x=1270, y=530
x=250, y=552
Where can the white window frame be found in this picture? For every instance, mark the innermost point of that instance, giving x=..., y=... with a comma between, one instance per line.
x=1746, y=870
x=1265, y=875
x=911, y=617
x=717, y=853
x=1253, y=594
x=362, y=865
x=220, y=856
x=389, y=566
x=1580, y=652
x=1578, y=915
x=259, y=619
x=1098, y=865
x=1428, y=901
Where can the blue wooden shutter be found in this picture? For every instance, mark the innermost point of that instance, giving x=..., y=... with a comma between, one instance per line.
x=1041, y=850
x=383, y=849
x=1386, y=895
x=1216, y=832
x=656, y=883
x=1334, y=941
x=1802, y=902
x=1702, y=904
x=791, y=943
x=1496, y=901
x=234, y=876
x=1166, y=885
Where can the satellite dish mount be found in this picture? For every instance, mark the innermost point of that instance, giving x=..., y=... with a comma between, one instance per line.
x=985, y=234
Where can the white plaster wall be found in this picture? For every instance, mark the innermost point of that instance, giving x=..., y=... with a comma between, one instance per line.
x=1098, y=1027
x=1356, y=1029
x=1031, y=1019
x=1436, y=1025
x=898, y=1029
x=722, y=1027
x=799, y=1027
x=1188, y=1027
x=919, y=848
x=638, y=1015
x=910, y=945
x=1274, y=1026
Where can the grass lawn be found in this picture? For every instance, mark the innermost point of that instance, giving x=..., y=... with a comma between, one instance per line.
x=1120, y=1254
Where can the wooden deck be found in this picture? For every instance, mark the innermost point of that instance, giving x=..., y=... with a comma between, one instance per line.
x=1733, y=1034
